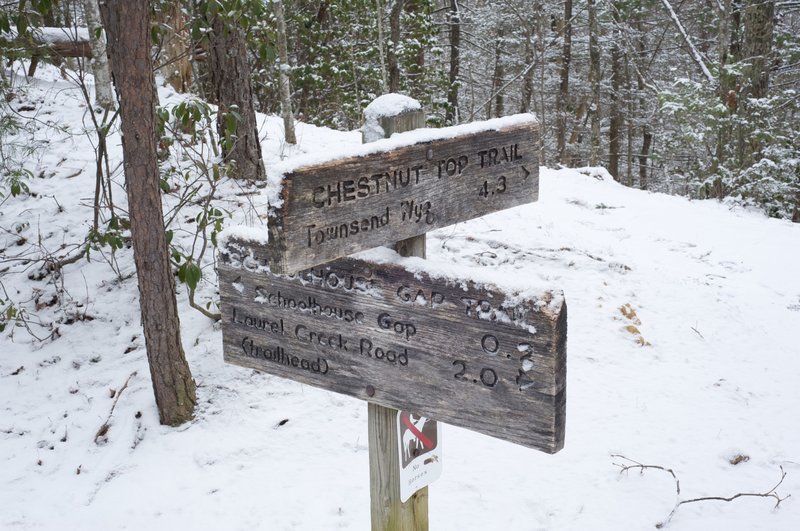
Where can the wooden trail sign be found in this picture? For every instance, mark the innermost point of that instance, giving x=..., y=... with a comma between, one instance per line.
x=472, y=356
x=337, y=208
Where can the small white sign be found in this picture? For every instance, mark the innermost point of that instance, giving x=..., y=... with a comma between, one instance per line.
x=420, y=453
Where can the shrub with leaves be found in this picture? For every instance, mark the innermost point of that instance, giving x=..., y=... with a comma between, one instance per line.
x=191, y=174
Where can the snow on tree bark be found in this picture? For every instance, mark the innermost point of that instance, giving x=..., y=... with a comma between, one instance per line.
x=283, y=73
x=102, y=72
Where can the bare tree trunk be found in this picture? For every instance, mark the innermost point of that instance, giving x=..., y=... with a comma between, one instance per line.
x=381, y=46
x=527, y=79
x=103, y=94
x=283, y=55
x=594, y=80
x=562, y=101
x=615, y=122
x=128, y=25
x=644, y=156
x=630, y=125
x=543, y=118
x=452, y=114
x=647, y=135
x=729, y=52
x=498, y=78
x=176, y=48
x=415, y=74
x=757, y=52
x=230, y=74
x=394, y=35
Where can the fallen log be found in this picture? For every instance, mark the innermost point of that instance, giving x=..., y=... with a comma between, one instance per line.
x=55, y=43
x=63, y=42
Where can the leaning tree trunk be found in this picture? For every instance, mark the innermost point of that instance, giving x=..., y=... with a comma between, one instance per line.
x=128, y=25
x=230, y=74
x=103, y=94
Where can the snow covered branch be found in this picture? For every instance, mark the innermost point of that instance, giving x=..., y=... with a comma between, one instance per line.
x=694, y=52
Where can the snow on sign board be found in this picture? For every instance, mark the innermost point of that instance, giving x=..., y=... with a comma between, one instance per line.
x=472, y=355
x=395, y=190
x=419, y=452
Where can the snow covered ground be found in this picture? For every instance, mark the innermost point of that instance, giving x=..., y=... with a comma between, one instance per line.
x=683, y=352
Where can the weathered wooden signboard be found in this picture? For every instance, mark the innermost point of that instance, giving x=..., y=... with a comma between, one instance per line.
x=472, y=356
x=337, y=208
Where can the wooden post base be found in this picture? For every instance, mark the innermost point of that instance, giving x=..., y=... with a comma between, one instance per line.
x=387, y=512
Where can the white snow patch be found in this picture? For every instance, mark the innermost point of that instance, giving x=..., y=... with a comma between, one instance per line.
x=712, y=286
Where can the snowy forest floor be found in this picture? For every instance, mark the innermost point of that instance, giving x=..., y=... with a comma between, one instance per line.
x=702, y=377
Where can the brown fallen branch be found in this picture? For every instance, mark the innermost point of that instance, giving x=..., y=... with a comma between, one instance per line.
x=101, y=433
x=642, y=467
x=771, y=493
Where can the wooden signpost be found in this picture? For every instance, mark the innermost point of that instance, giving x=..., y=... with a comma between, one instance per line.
x=469, y=354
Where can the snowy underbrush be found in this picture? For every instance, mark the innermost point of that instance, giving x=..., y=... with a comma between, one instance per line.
x=682, y=354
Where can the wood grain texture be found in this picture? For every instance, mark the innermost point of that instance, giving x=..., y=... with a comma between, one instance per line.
x=338, y=208
x=451, y=351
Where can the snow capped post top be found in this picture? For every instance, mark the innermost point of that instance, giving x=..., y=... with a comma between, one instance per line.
x=389, y=105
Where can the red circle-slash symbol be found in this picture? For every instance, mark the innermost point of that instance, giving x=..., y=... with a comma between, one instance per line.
x=426, y=442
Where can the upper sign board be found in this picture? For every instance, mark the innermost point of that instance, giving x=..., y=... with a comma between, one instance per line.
x=475, y=356
x=333, y=209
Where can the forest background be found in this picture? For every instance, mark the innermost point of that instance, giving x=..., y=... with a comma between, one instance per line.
x=692, y=98
x=696, y=98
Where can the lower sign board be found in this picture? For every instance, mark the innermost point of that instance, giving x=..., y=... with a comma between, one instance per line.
x=472, y=356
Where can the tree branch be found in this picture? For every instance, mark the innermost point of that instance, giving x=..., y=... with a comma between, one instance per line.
x=695, y=53
x=771, y=493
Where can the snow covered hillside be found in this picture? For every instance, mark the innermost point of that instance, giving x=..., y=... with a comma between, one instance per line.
x=683, y=352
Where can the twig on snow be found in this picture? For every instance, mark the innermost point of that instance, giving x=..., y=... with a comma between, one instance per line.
x=771, y=493
x=101, y=433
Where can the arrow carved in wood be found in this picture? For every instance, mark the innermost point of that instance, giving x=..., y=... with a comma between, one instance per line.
x=524, y=381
